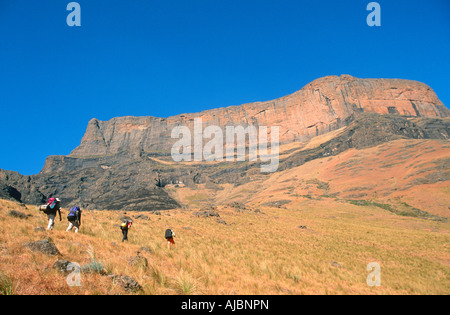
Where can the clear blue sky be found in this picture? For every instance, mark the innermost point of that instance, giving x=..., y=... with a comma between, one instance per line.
x=162, y=58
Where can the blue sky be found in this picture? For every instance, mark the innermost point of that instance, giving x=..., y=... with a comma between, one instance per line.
x=162, y=58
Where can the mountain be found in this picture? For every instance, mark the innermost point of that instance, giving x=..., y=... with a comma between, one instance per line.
x=318, y=108
x=125, y=163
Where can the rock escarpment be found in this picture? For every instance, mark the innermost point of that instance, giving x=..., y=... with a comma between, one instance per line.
x=320, y=107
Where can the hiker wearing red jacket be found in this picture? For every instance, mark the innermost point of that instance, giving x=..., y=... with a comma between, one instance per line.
x=169, y=236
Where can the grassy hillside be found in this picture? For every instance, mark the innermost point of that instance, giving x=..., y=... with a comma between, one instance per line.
x=314, y=247
x=410, y=176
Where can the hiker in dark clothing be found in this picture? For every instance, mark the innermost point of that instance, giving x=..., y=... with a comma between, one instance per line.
x=169, y=235
x=53, y=207
x=74, y=219
x=125, y=226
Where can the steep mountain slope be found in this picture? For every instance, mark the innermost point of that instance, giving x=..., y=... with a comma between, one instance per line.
x=407, y=177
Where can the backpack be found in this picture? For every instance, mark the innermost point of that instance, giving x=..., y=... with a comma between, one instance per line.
x=74, y=214
x=125, y=225
x=53, y=204
x=168, y=234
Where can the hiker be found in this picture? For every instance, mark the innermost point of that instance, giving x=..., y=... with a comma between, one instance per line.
x=125, y=226
x=74, y=218
x=53, y=206
x=170, y=234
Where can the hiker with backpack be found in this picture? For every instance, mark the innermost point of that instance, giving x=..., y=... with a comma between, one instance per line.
x=50, y=209
x=74, y=218
x=169, y=235
x=125, y=226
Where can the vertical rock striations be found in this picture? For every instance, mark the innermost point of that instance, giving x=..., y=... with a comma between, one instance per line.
x=320, y=107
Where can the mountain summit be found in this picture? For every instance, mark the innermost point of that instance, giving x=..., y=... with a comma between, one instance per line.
x=319, y=107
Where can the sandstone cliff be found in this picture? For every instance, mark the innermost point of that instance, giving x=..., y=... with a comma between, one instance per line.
x=318, y=108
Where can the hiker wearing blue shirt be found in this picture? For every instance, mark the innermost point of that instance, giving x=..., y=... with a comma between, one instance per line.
x=74, y=218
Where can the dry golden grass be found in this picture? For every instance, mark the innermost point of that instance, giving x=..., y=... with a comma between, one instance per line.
x=255, y=253
x=265, y=251
x=414, y=172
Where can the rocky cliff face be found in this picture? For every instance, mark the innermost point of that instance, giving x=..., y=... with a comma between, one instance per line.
x=319, y=107
x=115, y=167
